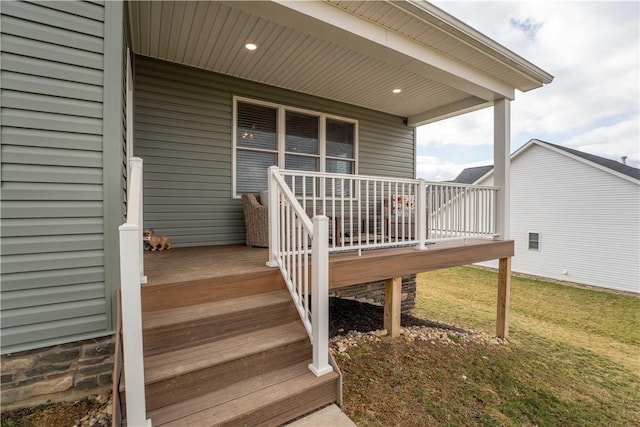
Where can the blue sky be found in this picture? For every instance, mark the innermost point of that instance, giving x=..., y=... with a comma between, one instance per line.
x=593, y=51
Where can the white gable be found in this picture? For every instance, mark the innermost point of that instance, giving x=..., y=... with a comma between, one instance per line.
x=588, y=220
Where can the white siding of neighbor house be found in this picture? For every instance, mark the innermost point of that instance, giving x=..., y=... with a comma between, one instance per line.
x=588, y=220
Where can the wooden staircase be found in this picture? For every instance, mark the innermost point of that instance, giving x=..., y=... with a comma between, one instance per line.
x=228, y=351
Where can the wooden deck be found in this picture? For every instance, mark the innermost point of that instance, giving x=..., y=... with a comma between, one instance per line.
x=207, y=360
x=182, y=265
x=203, y=262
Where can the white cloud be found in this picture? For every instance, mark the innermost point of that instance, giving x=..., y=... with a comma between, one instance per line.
x=618, y=141
x=478, y=124
x=593, y=103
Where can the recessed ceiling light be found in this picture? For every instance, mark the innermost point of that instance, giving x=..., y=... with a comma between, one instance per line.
x=397, y=90
x=251, y=46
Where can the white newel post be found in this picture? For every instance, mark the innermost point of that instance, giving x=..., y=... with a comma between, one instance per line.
x=320, y=296
x=274, y=208
x=132, y=324
x=501, y=161
x=421, y=217
x=136, y=176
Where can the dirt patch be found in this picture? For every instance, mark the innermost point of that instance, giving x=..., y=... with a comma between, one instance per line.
x=92, y=411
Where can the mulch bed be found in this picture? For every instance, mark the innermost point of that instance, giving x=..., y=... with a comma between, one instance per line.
x=349, y=315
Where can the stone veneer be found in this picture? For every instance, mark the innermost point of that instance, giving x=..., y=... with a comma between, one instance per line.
x=60, y=372
x=373, y=292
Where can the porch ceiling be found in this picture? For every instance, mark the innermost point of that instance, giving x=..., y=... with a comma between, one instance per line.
x=353, y=52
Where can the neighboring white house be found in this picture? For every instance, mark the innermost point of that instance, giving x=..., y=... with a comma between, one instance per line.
x=574, y=216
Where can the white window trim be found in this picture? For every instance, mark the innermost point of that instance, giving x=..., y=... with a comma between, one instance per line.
x=280, y=126
x=529, y=233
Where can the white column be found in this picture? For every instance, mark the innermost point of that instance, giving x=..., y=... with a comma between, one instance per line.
x=501, y=162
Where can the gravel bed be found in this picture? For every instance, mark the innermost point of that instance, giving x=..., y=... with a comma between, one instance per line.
x=352, y=322
x=100, y=414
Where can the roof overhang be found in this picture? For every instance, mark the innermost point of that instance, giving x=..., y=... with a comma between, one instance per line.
x=536, y=142
x=352, y=52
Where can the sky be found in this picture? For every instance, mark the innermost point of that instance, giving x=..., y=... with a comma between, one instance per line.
x=593, y=104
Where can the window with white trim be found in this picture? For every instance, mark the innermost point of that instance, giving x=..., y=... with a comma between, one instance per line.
x=534, y=241
x=267, y=134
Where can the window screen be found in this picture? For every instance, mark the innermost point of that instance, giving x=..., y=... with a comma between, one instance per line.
x=534, y=241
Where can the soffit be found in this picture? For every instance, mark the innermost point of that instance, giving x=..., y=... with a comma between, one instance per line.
x=432, y=27
x=211, y=35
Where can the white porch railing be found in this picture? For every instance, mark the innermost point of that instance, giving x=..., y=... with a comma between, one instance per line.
x=355, y=212
x=461, y=211
x=299, y=247
x=368, y=212
x=131, y=277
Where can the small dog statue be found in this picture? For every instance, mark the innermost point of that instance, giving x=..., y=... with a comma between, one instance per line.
x=155, y=243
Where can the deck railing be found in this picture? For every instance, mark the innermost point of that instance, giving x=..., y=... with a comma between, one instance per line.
x=461, y=211
x=299, y=247
x=368, y=212
x=131, y=277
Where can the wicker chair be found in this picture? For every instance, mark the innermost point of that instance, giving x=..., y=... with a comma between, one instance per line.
x=256, y=221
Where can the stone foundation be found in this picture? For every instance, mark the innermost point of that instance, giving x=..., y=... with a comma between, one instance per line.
x=61, y=372
x=373, y=293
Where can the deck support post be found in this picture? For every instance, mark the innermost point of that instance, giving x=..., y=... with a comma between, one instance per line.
x=504, y=293
x=392, y=305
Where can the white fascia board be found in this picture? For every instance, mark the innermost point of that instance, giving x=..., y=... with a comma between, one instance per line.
x=325, y=21
x=463, y=106
x=436, y=66
x=580, y=159
x=428, y=12
x=543, y=144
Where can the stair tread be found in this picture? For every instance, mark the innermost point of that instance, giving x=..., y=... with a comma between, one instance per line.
x=179, y=362
x=233, y=401
x=220, y=396
x=155, y=319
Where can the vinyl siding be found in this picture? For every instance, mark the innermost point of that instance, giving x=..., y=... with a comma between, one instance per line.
x=588, y=220
x=52, y=180
x=183, y=128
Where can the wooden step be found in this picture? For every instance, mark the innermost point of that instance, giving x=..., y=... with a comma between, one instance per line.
x=165, y=296
x=187, y=373
x=172, y=329
x=270, y=399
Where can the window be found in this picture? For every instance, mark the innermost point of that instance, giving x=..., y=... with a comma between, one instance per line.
x=267, y=134
x=534, y=241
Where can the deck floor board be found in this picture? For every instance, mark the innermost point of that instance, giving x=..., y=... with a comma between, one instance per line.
x=181, y=265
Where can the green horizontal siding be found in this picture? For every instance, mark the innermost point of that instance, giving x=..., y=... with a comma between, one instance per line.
x=54, y=287
x=183, y=133
x=51, y=279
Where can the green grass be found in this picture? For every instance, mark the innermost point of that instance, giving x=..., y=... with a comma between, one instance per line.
x=607, y=323
x=572, y=360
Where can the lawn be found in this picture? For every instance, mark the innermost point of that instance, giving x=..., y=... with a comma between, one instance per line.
x=572, y=359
